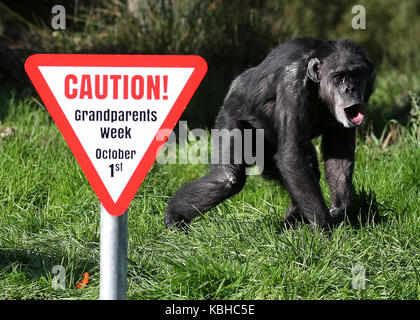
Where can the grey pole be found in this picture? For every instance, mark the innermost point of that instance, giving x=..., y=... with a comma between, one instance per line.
x=113, y=264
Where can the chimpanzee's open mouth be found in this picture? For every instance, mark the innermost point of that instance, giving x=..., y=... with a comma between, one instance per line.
x=355, y=114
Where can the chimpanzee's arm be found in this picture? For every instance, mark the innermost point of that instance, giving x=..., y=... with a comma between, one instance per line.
x=338, y=147
x=293, y=213
x=298, y=177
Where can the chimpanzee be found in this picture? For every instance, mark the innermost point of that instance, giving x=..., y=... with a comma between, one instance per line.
x=303, y=89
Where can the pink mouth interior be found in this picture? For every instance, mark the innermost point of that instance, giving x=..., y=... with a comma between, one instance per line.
x=355, y=114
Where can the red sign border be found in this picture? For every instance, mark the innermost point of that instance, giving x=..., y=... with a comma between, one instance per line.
x=108, y=60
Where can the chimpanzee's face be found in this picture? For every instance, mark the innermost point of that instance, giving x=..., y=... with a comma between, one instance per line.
x=343, y=85
x=344, y=92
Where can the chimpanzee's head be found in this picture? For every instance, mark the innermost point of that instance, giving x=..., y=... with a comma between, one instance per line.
x=345, y=76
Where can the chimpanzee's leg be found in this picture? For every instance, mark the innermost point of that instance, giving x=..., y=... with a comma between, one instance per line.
x=226, y=178
x=203, y=194
x=293, y=213
x=338, y=148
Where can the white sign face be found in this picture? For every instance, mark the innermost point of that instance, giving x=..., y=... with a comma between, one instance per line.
x=116, y=130
x=110, y=115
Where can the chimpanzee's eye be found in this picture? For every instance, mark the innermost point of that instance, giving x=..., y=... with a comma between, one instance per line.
x=339, y=79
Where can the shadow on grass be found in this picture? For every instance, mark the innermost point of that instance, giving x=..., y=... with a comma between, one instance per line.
x=35, y=264
x=365, y=209
x=365, y=212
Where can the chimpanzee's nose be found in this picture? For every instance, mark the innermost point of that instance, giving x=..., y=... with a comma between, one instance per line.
x=350, y=88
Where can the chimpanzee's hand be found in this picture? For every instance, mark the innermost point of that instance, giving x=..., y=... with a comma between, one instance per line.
x=337, y=215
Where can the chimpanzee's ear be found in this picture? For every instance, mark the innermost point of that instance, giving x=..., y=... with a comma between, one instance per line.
x=312, y=70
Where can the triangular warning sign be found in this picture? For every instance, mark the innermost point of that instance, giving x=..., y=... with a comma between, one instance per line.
x=110, y=108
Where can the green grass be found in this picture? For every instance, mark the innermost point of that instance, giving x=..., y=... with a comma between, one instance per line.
x=240, y=250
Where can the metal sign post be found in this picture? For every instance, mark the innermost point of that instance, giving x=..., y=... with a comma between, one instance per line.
x=113, y=261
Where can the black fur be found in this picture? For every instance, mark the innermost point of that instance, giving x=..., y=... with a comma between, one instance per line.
x=297, y=93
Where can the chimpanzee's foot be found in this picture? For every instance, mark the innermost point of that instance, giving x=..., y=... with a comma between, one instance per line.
x=292, y=216
x=175, y=221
